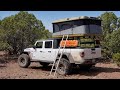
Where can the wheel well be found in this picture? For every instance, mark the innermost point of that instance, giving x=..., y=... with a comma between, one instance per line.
x=64, y=56
x=25, y=53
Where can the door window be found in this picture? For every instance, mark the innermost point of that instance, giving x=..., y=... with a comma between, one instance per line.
x=48, y=44
x=39, y=44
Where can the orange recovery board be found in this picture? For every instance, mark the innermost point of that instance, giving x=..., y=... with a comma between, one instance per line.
x=69, y=43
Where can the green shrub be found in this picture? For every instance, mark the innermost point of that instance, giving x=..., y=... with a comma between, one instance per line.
x=4, y=46
x=106, y=54
x=116, y=58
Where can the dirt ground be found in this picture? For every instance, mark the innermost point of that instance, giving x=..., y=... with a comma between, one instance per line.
x=11, y=70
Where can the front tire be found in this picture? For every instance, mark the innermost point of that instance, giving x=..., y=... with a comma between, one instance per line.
x=24, y=60
x=64, y=67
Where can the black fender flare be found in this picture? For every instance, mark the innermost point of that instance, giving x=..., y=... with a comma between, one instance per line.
x=24, y=53
x=68, y=56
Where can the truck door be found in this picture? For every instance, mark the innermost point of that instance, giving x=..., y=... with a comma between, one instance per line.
x=49, y=54
x=38, y=52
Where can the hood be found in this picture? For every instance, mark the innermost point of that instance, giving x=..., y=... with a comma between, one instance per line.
x=28, y=49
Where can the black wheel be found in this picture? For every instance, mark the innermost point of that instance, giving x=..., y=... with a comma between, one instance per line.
x=64, y=67
x=86, y=67
x=44, y=64
x=24, y=60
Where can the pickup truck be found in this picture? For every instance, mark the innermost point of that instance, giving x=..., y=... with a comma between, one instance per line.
x=45, y=52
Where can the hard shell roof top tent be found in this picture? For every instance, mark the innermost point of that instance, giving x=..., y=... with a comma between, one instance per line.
x=77, y=26
x=75, y=18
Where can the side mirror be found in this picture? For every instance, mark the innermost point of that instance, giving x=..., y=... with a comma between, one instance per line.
x=34, y=47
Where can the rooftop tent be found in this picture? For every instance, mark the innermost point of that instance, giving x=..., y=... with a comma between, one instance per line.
x=79, y=25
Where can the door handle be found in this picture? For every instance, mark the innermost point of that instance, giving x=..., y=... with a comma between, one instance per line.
x=49, y=51
x=41, y=51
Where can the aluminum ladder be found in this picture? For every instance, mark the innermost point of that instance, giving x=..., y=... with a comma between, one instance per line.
x=53, y=65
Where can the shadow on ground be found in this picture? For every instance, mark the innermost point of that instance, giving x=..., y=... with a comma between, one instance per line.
x=3, y=63
x=1, y=66
x=48, y=68
x=91, y=72
x=94, y=71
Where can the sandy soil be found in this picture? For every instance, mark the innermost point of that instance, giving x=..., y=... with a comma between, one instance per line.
x=11, y=70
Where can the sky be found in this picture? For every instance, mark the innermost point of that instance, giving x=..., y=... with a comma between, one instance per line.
x=47, y=17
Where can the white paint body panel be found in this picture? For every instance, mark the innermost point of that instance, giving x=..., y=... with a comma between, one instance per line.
x=49, y=54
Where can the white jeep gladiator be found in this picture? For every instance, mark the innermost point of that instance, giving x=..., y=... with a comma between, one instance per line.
x=45, y=52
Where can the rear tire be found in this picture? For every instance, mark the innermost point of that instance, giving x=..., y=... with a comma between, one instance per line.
x=64, y=67
x=23, y=60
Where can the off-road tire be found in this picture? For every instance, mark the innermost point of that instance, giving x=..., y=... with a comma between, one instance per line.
x=23, y=60
x=64, y=67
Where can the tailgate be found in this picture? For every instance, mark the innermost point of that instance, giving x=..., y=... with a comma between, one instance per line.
x=92, y=53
